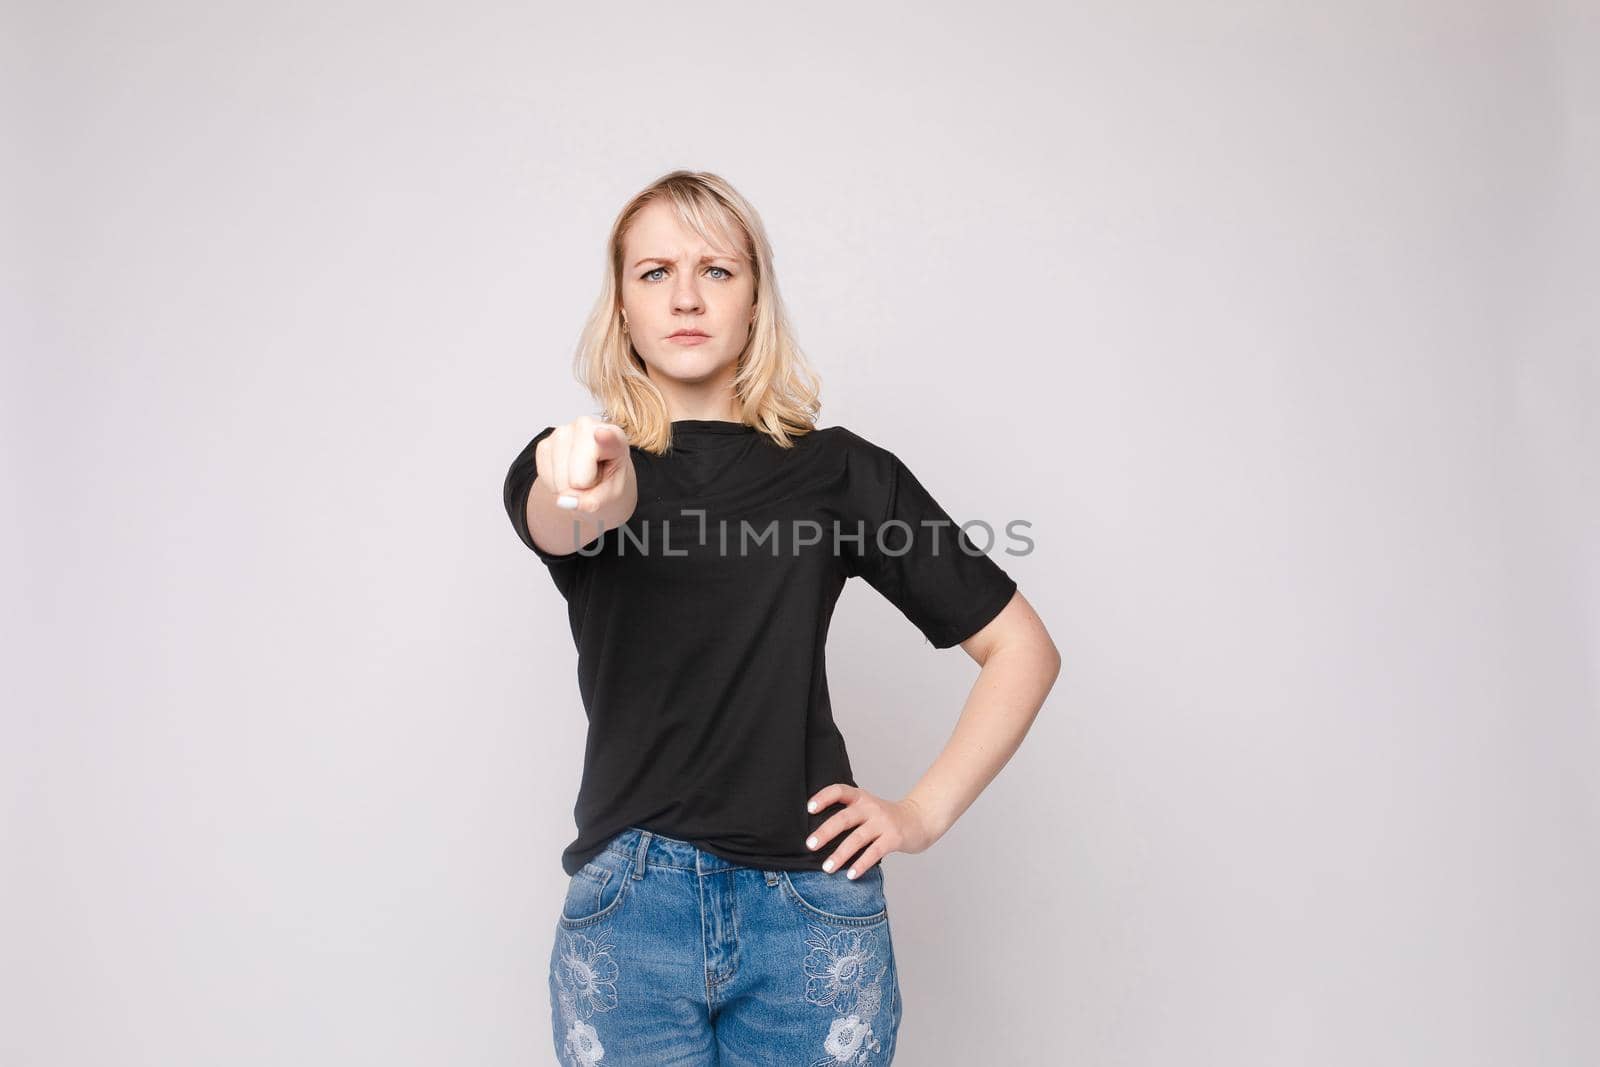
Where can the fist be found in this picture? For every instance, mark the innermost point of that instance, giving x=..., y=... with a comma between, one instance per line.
x=586, y=463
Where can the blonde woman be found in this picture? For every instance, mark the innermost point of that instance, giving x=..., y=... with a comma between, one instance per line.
x=725, y=902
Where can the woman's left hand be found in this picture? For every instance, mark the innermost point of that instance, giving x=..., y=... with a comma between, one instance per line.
x=879, y=826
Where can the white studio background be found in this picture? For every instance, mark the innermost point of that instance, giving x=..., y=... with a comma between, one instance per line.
x=1276, y=322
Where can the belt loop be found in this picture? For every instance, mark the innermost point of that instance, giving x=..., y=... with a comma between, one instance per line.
x=644, y=846
x=772, y=877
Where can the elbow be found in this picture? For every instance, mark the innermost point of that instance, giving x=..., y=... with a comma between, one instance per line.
x=1050, y=660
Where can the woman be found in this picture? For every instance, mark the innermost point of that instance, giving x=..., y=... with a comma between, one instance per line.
x=701, y=533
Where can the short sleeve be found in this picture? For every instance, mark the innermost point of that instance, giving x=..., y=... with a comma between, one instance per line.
x=519, y=483
x=923, y=563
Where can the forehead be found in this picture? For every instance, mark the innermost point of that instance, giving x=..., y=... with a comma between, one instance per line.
x=657, y=231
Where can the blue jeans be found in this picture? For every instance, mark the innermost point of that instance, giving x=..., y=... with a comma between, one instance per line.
x=666, y=955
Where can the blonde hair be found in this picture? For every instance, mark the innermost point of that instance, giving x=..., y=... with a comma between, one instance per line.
x=776, y=388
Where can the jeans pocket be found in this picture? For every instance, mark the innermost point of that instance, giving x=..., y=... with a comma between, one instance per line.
x=595, y=892
x=834, y=898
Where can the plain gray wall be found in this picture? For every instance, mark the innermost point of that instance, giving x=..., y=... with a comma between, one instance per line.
x=1277, y=323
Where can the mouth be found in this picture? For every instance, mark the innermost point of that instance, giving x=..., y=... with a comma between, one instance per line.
x=688, y=338
x=687, y=333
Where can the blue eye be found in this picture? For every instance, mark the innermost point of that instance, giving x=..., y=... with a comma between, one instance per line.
x=646, y=275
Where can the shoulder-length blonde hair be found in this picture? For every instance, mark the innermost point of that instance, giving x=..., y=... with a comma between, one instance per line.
x=776, y=387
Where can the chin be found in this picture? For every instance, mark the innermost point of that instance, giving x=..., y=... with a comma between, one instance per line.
x=692, y=364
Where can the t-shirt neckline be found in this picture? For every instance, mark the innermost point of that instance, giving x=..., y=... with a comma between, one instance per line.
x=710, y=426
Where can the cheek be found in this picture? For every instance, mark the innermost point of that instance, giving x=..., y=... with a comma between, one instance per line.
x=734, y=305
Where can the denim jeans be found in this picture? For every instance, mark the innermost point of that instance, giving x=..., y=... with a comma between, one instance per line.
x=666, y=955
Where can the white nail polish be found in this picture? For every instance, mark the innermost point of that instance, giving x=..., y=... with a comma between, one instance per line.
x=811, y=842
x=827, y=865
x=812, y=807
x=568, y=502
x=851, y=873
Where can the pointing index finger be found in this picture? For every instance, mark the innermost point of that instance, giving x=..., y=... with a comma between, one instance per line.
x=603, y=442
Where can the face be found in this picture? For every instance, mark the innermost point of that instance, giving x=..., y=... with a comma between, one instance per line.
x=673, y=281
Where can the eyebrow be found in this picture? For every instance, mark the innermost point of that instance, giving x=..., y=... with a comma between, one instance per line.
x=703, y=259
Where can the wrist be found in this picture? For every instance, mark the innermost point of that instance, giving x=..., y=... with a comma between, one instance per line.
x=932, y=824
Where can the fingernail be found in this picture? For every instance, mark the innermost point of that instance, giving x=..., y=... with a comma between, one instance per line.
x=851, y=873
x=827, y=865
x=811, y=842
x=811, y=806
x=565, y=501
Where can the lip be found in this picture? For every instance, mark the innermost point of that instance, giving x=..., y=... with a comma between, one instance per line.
x=688, y=338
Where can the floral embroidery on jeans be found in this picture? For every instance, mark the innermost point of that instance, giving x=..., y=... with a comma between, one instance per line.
x=586, y=978
x=844, y=972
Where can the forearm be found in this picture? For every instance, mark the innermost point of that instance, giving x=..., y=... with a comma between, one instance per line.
x=1004, y=700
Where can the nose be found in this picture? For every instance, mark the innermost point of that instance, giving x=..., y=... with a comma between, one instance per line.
x=686, y=295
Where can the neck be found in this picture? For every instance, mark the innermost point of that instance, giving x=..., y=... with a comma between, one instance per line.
x=711, y=400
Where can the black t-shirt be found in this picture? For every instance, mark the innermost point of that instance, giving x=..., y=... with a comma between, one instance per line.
x=701, y=625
